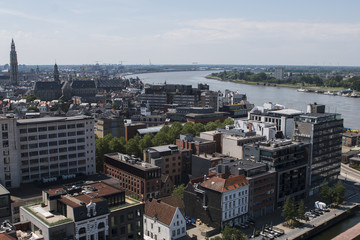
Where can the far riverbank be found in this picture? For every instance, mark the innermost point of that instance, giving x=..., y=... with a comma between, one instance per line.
x=292, y=86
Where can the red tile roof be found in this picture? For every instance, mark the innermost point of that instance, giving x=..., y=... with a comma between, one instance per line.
x=225, y=185
x=4, y=236
x=164, y=212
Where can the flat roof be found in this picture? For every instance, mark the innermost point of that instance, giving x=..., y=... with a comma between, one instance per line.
x=149, y=130
x=51, y=119
x=287, y=111
x=165, y=148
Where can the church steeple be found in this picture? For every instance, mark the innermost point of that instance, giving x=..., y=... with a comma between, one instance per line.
x=56, y=74
x=13, y=65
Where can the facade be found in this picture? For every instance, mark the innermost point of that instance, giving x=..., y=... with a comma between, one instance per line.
x=163, y=221
x=218, y=200
x=206, y=117
x=213, y=136
x=155, y=101
x=323, y=131
x=169, y=158
x=290, y=161
x=46, y=148
x=196, y=144
x=114, y=126
x=47, y=91
x=85, y=211
x=233, y=141
x=262, y=183
x=279, y=73
x=282, y=118
x=13, y=65
x=136, y=177
x=350, y=139
x=5, y=204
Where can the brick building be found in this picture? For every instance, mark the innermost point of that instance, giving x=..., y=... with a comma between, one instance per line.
x=136, y=177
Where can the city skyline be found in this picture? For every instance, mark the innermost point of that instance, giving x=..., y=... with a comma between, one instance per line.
x=205, y=32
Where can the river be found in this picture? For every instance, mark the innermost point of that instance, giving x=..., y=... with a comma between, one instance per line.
x=349, y=108
x=338, y=228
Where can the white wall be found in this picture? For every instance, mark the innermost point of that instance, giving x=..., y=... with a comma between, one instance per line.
x=235, y=204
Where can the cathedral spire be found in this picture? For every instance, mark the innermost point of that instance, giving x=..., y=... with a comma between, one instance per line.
x=56, y=73
x=13, y=65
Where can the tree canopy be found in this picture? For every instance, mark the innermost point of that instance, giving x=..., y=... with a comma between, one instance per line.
x=135, y=146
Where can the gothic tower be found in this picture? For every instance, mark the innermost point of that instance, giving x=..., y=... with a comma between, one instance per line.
x=13, y=65
x=56, y=74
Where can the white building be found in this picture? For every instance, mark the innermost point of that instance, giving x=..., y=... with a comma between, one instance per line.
x=234, y=193
x=162, y=221
x=45, y=148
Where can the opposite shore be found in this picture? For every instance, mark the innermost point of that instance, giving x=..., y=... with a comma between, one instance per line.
x=292, y=86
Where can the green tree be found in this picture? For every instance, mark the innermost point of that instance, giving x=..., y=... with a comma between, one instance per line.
x=174, y=131
x=210, y=126
x=301, y=210
x=199, y=127
x=179, y=190
x=188, y=128
x=30, y=97
x=115, y=145
x=132, y=146
x=339, y=193
x=161, y=138
x=101, y=148
x=146, y=141
x=230, y=233
x=325, y=192
x=289, y=210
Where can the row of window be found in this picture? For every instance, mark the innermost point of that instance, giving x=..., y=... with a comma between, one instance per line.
x=52, y=135
x=46, y=144
x=51, y=128
x=52, y=151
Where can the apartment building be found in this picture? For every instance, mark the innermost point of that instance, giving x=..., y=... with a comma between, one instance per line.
x=290, y=161
x=170, y=159
x=323, y=131
x=45, y=148
x=83, y=211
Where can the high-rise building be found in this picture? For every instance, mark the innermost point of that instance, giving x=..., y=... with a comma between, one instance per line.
x=45, y=148
x=13, y=65
x=323, y=131
x=279, y=73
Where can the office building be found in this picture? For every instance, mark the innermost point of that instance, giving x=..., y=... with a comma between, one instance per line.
x=46, y=148
x=323, y=132
x=136, y=177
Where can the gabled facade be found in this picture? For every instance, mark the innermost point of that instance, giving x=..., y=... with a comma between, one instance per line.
x=162, y=221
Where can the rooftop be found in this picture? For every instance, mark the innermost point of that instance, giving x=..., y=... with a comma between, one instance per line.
x=3, y=190
x=225, y=185
x=288, y=112
x=162, y=211
x=51, y=119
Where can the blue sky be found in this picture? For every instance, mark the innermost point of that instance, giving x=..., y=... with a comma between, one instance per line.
x=290, y=32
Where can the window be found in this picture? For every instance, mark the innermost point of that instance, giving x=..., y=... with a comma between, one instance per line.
x=173, y=233
x=4, y=127
x=5, y=135
x=6, y=143
x=159, y=229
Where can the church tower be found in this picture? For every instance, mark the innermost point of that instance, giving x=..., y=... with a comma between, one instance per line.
x=56, y=74
x=13, y=65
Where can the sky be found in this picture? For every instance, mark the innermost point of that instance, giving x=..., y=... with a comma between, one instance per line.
x=254, y=32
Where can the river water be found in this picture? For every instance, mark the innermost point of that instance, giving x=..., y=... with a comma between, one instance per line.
x=338, y=228
x=349, y=108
